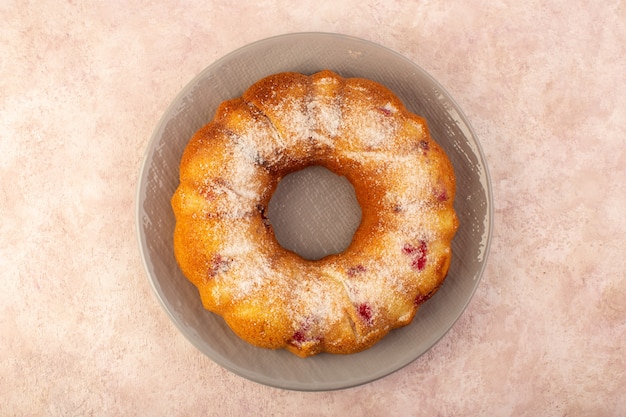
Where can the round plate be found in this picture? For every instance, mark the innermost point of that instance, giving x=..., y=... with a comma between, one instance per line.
x=229, y=78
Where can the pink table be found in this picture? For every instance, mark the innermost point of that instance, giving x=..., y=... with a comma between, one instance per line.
x=83, y=85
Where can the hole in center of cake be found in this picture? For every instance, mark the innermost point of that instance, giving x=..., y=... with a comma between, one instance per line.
x=314, y=212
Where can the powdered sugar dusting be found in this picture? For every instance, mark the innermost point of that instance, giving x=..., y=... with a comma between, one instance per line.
x=236, y=197
x=247, y=271
x=375, y=129
x=377, y=290
x=409, y=195
x=259, y=143
x=380, y=286
x=250, y=279
x=327, y=81
x=314, y=303
x=326, y=119
x=293, y=121
x=390, y=108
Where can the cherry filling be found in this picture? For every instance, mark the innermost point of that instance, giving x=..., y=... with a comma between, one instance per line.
x=441, y=194
x=299, y=337
x=417, y=254
x=365, y=312
x=218, y=265
x=356, y=270
x=303, y=335
x=385, y=111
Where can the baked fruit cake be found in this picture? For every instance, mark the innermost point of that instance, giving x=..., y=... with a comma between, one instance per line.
x=343, y=303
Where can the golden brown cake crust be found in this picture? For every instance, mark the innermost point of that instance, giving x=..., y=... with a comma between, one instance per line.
x=344, y=303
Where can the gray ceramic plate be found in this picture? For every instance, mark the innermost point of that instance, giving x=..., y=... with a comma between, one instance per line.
x=228, y=78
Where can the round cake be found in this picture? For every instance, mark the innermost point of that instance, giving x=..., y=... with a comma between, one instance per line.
x=273, y=298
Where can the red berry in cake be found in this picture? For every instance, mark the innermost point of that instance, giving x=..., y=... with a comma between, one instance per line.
x=298, y=337
x=417, y=254
x=441, y=194
x=386, y=111
x=305, y=333
x=218, y=265
x=420, y=262
x=356, y=270
x=408, y=249
x=365, y=311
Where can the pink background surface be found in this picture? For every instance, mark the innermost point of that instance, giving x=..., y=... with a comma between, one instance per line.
x=82, y=86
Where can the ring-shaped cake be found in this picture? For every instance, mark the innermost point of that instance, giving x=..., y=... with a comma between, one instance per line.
x=273, y=298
